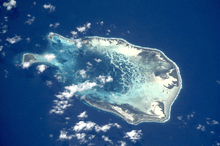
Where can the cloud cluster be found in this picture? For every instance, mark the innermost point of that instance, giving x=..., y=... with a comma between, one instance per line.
x=14, y=39
x=84, y=27
x=82, y=127
x=10, y=4
x=50, y=7
x=30, y=20
x=63, y=98
x=55, y=25
x=134, y=135
x=104, y=79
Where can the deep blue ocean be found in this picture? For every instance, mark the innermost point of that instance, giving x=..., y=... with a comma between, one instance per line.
x=188, y=32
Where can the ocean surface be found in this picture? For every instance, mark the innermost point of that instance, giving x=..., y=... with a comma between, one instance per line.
x=188, y=32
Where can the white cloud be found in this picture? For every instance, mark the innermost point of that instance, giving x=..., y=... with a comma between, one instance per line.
x=134, y=135
x=109, y=79
x=78, y=44
x=88, y=25
x=49, y=57
x=63, y=135
x=30, y=20
x=81, y=29
x=28, y=40
x=211, y=122
x=67, y=118
x=55, y=25
x=101, y=22
x=84, y=27
x=123, y=143
x=13, y=40
x=89, y=65
x=81, y=125
x=86, y=86
x=1, y=47
x=50, y=7
x=82, y=115
x=107, y=139
x=200, y=127
x=98, y=60
x=106, y=127
x=10, y=4
x=117, y=125
x=81, y=137
x=60, y=106
x=26, y=65
x=91, y=137
x=82, y=73
x=41, y=68
x=86, y=126
x=72, y=89
x=4, y=29
x=74, y=33
x=214, y=122
x=180, y=117
x=103, y=79
x=6, y=73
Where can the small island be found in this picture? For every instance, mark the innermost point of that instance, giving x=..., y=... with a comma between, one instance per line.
x=139, y=84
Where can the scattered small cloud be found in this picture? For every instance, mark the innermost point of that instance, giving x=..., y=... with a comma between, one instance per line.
x=41, y=68
x=10, y=4
x=200, y=127
x=107, y=139
x=14, y=39
x=123, y=143
x=55, y=25
x=84, y=28
x=74, y=33
x=82, y=115
x=28, y=40
x=49, y=83
x=6, y=73
x=60, y=106
x=82, y=73
x=98, y=60
x=103, y=79
x=134, y=135
x=30, y=20
x=1, y=47
x=37, y=45
x=6, y=18
x=4, y=29
x=88, y=126
x=81, y=125
x=211, y=122
x=50, y=7
x=63, y=135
